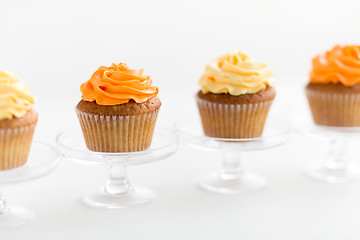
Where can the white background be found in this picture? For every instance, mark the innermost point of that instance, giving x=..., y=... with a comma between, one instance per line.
x=55, y=46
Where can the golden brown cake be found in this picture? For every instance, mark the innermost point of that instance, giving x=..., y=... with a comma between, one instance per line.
x=129, y=108
x=334, y=89
x=235, y=97
x=266, y=95
x=118, y=110
x=17, y=121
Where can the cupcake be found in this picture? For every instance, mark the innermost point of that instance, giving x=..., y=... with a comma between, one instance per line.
x=17, y=121
x=333, y=92
x=235, y=97
x=118, y=109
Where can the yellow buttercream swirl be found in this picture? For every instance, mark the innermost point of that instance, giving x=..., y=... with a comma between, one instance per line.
x=235, y=74
x=15, y=98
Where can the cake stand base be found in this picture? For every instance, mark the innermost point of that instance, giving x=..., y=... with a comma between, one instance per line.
x=232, y=178
x=118, y=192
x=336, y=166
x=100, y=198
x=322, y=172
x=42, y=160
x=218, y=183
x=15, y=216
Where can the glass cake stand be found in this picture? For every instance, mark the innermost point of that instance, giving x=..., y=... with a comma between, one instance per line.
x=336, y=167
x=232, y=178
x=43, y=159
x=118, y=191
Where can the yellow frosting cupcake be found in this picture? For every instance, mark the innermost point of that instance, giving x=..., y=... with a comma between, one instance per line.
x=17, y=121
x=235, y=97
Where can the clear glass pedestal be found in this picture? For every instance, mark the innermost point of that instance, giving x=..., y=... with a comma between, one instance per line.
x=336, y=166
x=232, y=178
x=117, y=192
x=43, y=159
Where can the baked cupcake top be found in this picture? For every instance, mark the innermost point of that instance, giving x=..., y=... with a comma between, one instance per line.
x=118, y=84
x=339, y=65
x=15, y=98
x=235, y=74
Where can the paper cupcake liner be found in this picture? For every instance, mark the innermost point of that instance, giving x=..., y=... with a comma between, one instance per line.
x=334, y=109
x=117, y=133
x=15, y=144
x=233, y=120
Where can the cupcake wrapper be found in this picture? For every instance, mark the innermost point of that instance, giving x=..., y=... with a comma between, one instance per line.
x=15, y=144
x=233, y=120
x=334, y=109
x=117, y=133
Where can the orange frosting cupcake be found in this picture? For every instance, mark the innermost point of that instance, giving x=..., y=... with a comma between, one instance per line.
x=339, y=65
x=118, y=110
x=333, y=92
x=118, y=84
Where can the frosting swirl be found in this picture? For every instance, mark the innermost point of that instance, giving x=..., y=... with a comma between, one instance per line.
x=118, y=84
x=15, y=98
x=339, y=65
x=235, y=74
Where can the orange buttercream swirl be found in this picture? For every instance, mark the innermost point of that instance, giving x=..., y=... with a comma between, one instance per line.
x=339, y=65
x=118, y=84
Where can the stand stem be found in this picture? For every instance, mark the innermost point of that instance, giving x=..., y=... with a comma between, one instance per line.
x=231, y=169
x=118, y=182
x=336, y=160
x=3, y=205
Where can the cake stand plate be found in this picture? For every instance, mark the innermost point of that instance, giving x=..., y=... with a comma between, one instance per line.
x=232, y=178
x=43, y=159
x=336, y=167
x=117, y=192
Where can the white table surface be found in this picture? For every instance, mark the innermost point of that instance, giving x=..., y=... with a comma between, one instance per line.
x=291, y=207
x=54, y=46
